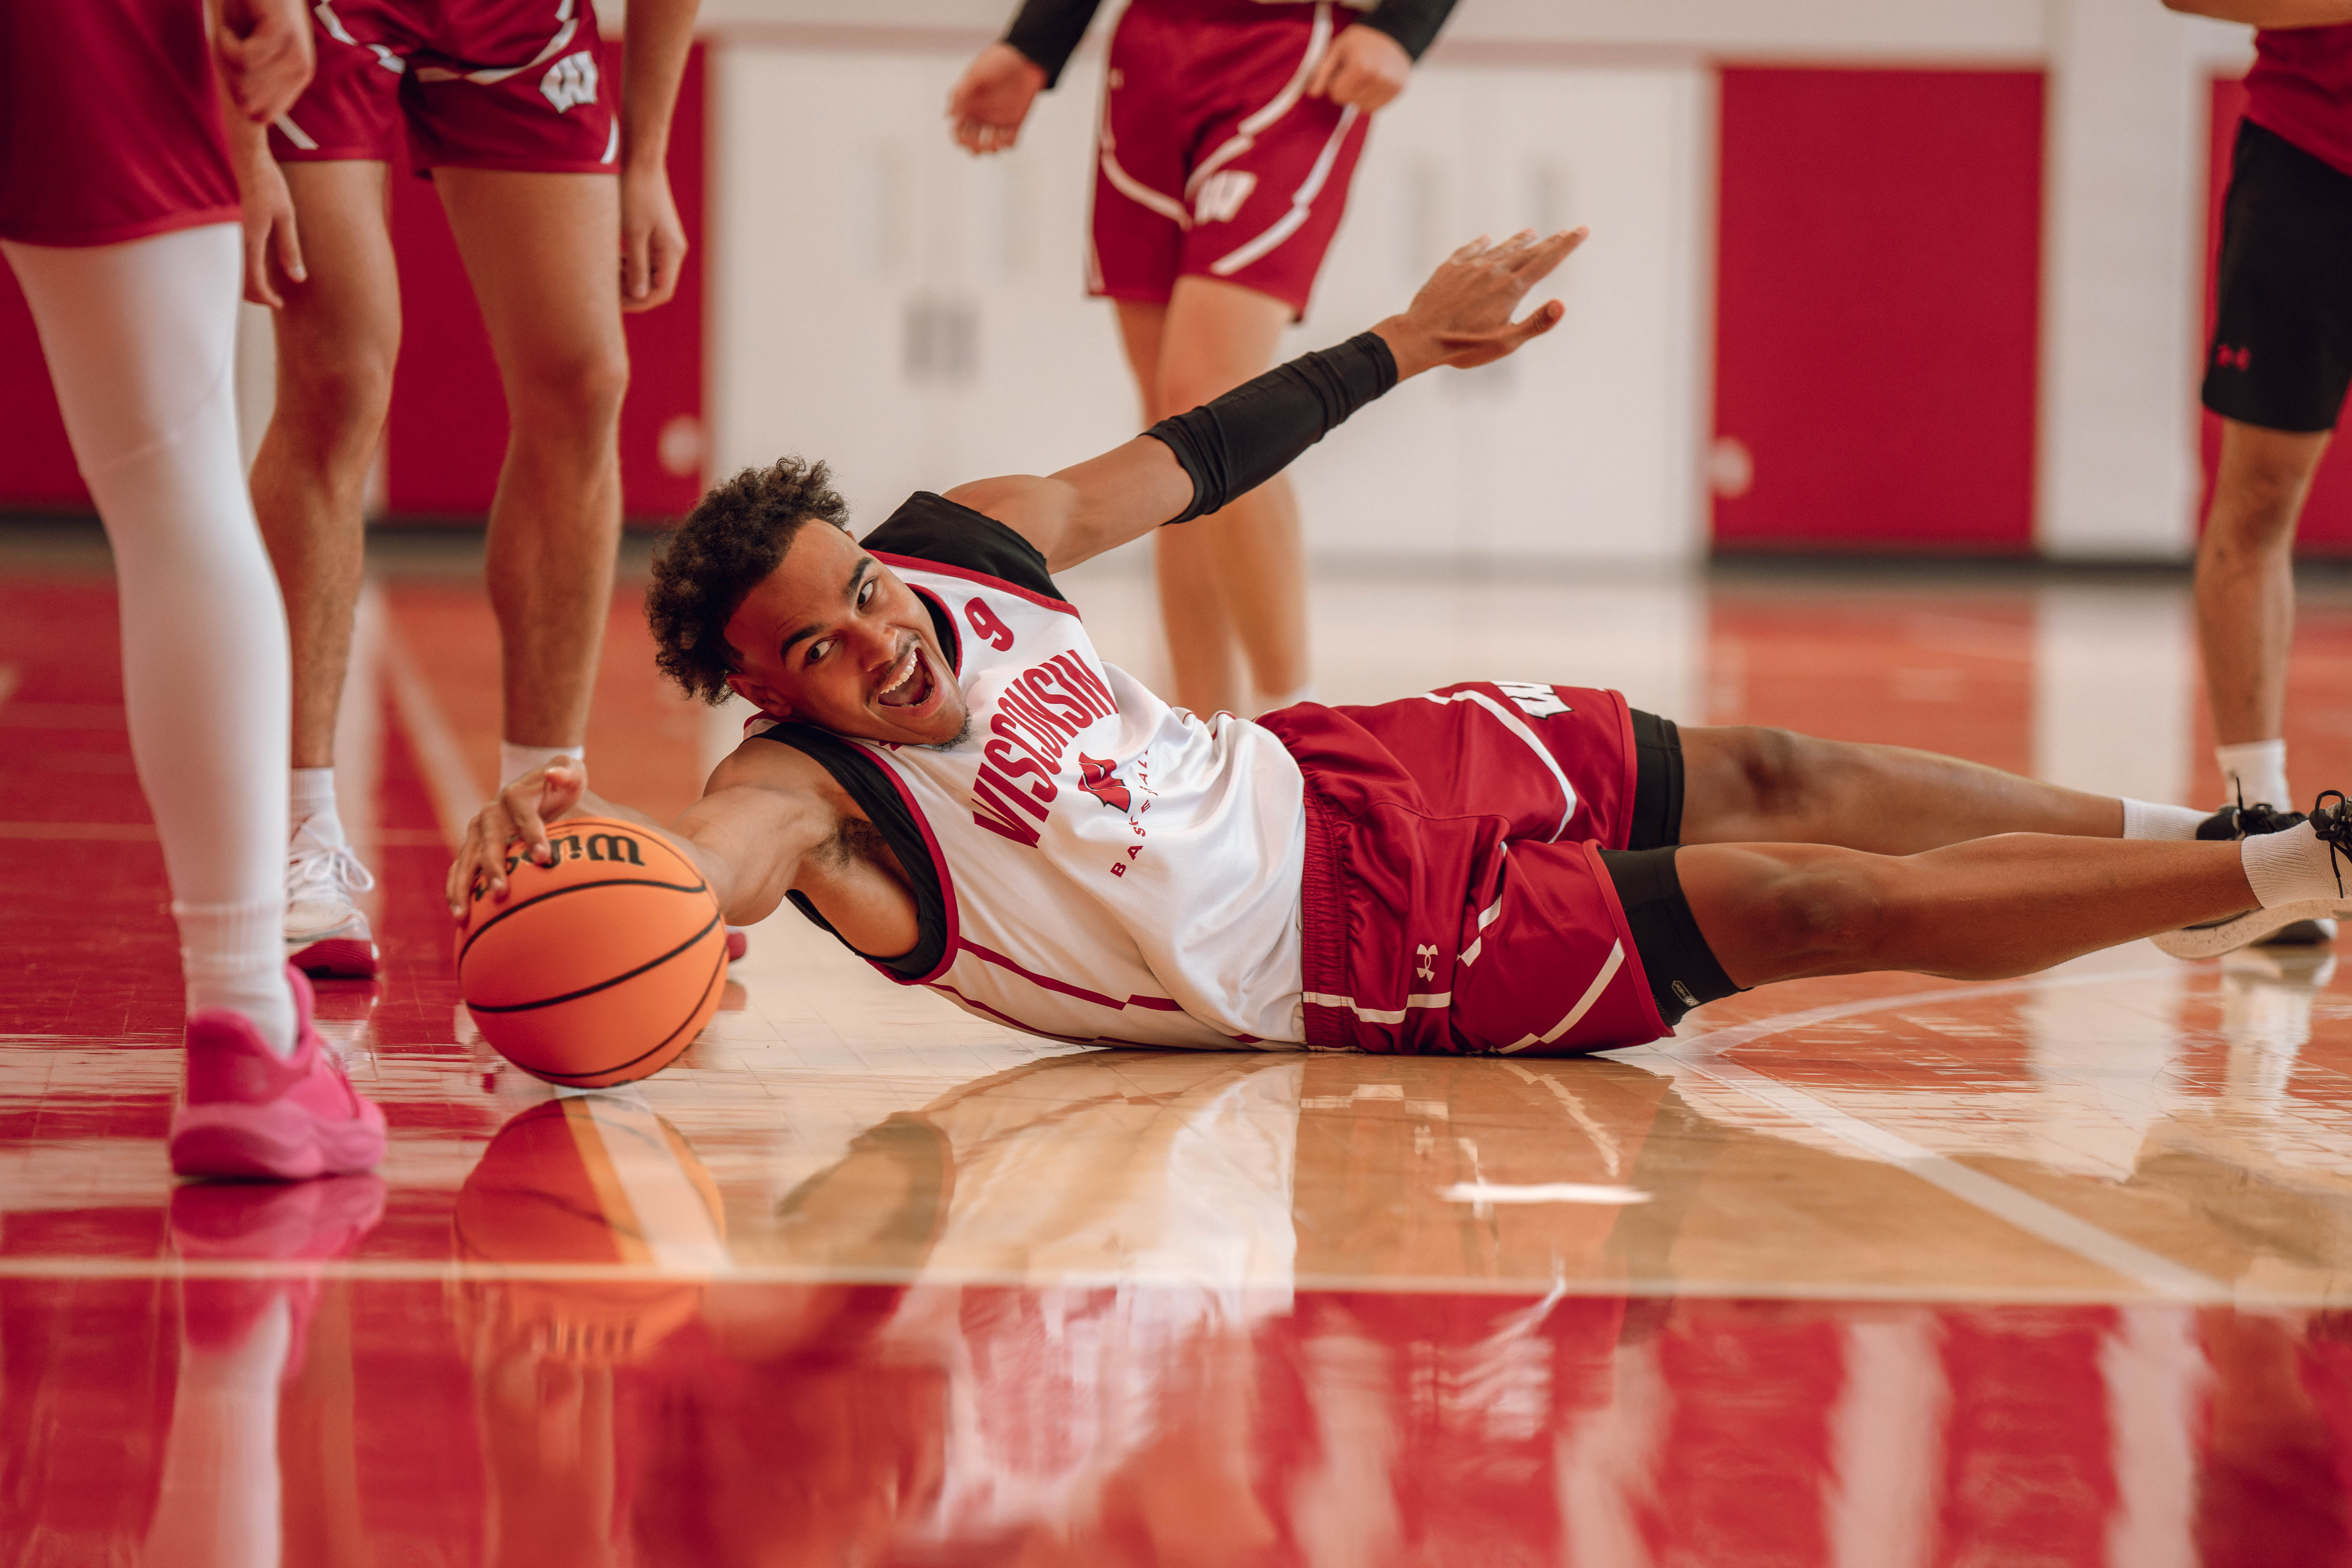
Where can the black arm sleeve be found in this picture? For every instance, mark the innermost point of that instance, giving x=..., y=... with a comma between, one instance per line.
x=1048, y=31
x=1236, y=443
x=1412, y=23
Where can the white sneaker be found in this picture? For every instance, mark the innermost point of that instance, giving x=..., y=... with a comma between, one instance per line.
x=326, y=934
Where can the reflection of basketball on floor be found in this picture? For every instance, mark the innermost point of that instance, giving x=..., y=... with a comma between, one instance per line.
x=599, y=968
x=600, y=1185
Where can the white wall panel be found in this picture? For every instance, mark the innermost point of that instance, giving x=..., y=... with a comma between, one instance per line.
x=917, y=318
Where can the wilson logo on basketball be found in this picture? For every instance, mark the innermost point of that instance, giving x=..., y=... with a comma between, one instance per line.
x=617, y=848
x=1038, y=713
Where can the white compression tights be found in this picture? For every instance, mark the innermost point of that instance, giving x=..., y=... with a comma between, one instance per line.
x=141, y=340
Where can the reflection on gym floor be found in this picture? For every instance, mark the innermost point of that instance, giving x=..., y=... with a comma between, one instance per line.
x=1880, y=1272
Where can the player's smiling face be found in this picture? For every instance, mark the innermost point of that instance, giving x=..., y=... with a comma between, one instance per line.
x=832, y=638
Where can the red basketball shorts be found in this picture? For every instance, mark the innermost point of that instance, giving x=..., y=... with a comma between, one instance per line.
x=1211, y=161
x=481, y=84
x=109, y=121
x=1454, y=897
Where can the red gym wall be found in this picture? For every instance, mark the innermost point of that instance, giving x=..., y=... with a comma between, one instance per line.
x=2326, y=526
x=448, y=425
x=1877, y=291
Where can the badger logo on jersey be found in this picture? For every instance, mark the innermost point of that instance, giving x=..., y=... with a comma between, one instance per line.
x=1038, y=713
x=1100, y=779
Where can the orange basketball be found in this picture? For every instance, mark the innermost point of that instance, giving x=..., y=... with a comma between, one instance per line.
x=599, y=968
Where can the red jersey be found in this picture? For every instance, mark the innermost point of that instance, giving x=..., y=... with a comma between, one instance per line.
x=2300, y=88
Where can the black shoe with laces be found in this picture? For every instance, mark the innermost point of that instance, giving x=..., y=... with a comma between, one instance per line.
x=2307, y=922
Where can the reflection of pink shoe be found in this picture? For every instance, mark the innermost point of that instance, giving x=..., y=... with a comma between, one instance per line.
x=249, y=1113
x=314, y=1222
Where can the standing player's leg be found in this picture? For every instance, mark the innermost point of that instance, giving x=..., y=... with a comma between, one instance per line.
x=2276, y=372
x=2245, y=599
x=140, y=338
x=338, y=336
x=1240, y=576
x=541, y=250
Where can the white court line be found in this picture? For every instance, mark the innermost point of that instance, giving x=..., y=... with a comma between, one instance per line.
x=1702, y=1054
x=455, y=795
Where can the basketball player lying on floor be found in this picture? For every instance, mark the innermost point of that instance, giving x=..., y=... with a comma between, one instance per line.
x=949, y=778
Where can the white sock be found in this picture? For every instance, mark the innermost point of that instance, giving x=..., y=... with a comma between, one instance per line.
x=516, y=761
x=310, y=802
x=2291, y=867
x=234, y=955
x=2145, y=819
x=140, y=338
x=2258, y=771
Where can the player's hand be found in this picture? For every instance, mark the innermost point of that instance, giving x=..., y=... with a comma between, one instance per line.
x=1462, y=316
x=653, y=240
x=521, y=812
x=991, y=100
x=1364, y=68
x=266, y=55
x=269, y=230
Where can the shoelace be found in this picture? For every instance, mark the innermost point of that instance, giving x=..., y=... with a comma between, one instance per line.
x=319, y=867
x=2333, y=823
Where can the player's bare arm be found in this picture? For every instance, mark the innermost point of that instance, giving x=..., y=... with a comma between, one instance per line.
x=1464, y=316
x=273, y=243
x=770, y=821
x=660, y=33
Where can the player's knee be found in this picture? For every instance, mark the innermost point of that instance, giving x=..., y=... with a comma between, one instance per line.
x=575, y=392
x=1776, y=770
x=2258, y=513
x=336, y=398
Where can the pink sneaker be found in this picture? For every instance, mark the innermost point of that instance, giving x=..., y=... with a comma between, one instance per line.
x=246, y=1112
x=738, y=943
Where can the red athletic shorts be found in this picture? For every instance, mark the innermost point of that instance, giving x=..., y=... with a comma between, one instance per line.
x=109, y=122
x=482, y=84
x=1212, y=162
x=1455, y=896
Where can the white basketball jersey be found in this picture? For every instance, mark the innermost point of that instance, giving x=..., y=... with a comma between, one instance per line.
x=1115, y=870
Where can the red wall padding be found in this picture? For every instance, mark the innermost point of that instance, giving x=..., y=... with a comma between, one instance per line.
x=2327, y=527
x=448, y=425
x=36, y=464
x=1877, y=295
x=447, y=431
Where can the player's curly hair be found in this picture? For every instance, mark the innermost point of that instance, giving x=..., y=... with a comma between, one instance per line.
x=732, y=539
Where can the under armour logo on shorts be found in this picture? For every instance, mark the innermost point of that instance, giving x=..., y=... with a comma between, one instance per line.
x=1221, y=195
x=2228, y=358
x=571, y=82
x=1428, y=967
x=1533, y=697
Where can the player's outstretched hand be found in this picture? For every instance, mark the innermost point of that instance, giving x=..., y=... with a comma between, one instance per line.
x=266, y=55
x=1461, y=317
x=992, y=98
x=1363, y=69
x=522, y=812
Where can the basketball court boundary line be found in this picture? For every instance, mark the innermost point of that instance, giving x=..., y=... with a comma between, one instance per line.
x=2037, y=1218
